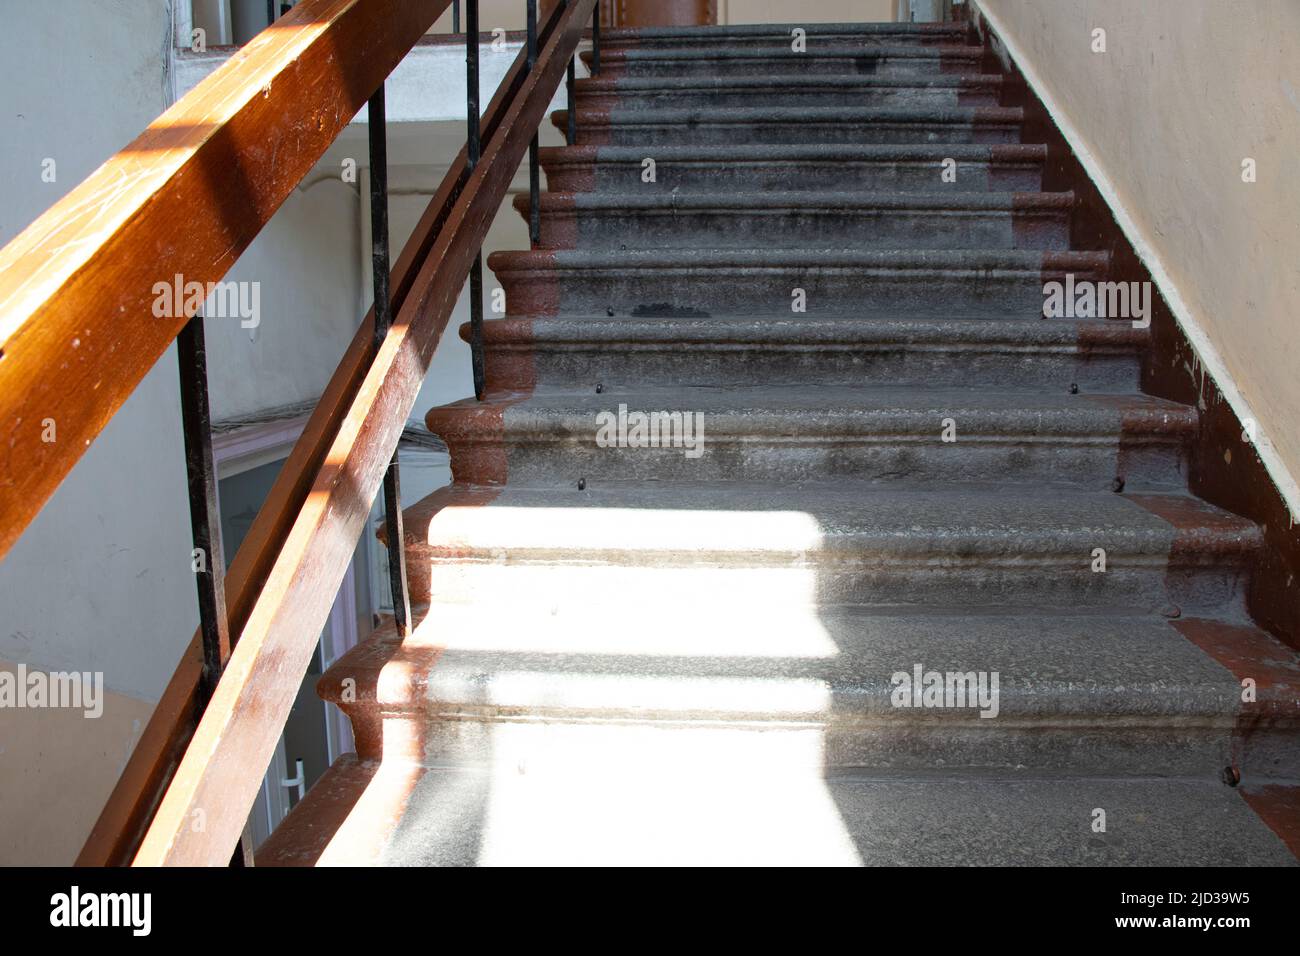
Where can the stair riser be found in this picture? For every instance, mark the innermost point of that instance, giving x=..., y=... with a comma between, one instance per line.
x=907, y=96
x=861, y=229
x=711, y=364
x=828, y=291
x=554, y=742
x=876, y=579
x=919, y=62
x=832, y=175
x=914, y=461
x=632, y=132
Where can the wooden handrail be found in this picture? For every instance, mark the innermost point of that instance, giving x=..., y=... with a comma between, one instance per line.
x=77, y=328
x=218, y=777
x=117, y=833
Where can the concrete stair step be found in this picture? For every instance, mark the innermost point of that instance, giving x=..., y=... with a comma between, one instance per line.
x=500, y=815
x=583, y=351
x=697, y=283
x=619, y=544
x=799, y=433
x=816, y=218
x=849, y=89
x=835, y=687
x=639, y=656
x=715, y=169
x=795, y=124
x=744, y=35
x=764, y=59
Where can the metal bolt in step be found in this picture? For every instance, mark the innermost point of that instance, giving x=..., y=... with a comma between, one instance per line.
x=609, y=310
x=1117, y=484
x=599, y=388
x=582, y=484
x=1231, y=776
x=1172, y=611
x=1074, y=388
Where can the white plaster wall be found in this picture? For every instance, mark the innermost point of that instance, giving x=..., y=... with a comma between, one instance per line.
x=101, y=579
x=102, y=576
x=112, y=542
x=306, y=264
x=1184, y=92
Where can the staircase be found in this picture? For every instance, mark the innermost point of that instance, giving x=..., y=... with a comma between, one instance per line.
x=688, y=654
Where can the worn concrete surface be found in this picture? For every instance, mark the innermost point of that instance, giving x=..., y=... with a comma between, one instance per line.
x=630, y=655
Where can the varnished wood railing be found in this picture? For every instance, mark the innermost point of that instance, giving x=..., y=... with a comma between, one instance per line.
x=79, y=334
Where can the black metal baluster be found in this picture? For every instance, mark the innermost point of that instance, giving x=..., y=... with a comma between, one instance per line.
x=201, y=479
x=571, y=135
x=455, y=16
x=472, y=150
x=534, y=178
x=377, y=128
x=395, y=532
x=595, y=40
x=201, y=475
x=270, y=12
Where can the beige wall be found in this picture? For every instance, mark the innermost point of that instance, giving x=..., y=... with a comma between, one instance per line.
x=1185, y=90
x=507, y=14
x=59, y=767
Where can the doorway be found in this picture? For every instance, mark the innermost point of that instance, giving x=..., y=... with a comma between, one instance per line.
x=658, y=13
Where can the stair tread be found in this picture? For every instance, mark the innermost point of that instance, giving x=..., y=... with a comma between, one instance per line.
x=725, y=32
x=1018, y=330
x=803, y=200
x=508, y=813
x=802, y=257
x=740, y=115
x=717, y=165
x=784, y=51
x=763, y=152
x=908, y=407
x=703, y=521
x=629, y=84
x=829, y=663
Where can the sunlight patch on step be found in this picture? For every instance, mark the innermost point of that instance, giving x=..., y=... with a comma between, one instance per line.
x=626, y=561
x=621, y=591
x=630, y=693
x=650, y=821
x=656, y=625
x=614, y=794
x=479, y=529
